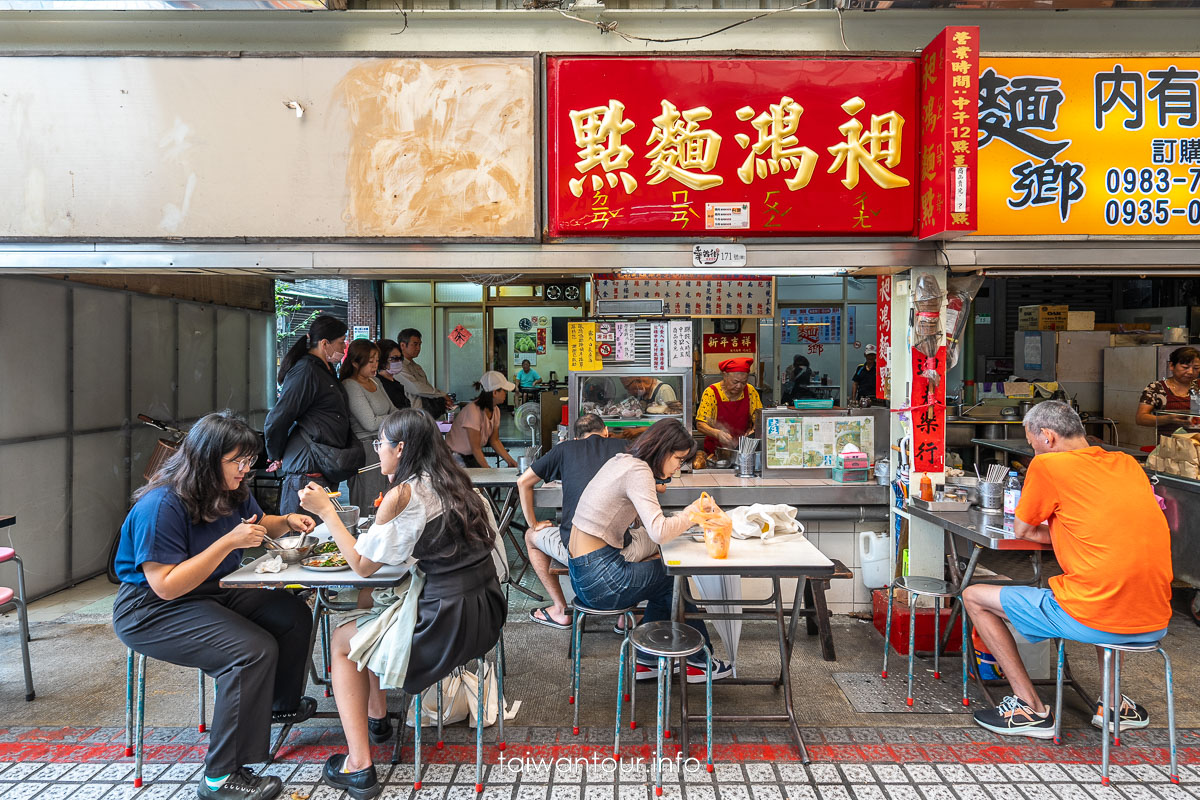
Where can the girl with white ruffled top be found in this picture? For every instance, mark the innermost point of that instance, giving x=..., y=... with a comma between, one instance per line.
x=431, y=516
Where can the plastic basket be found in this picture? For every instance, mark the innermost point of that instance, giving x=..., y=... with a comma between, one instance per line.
x=851, y=475
x=826, y=403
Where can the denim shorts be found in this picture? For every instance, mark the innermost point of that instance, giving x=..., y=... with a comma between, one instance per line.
x=1037, y=616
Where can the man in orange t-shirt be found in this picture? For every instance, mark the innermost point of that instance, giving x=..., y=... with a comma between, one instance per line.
x=1098, y=511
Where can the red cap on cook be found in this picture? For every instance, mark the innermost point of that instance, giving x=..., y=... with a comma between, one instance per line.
x=741, y=364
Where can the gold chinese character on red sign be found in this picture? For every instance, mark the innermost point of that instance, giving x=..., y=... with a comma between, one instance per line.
x=776, y=133
x=598, y=133
x=681, y=145
x=867, y=150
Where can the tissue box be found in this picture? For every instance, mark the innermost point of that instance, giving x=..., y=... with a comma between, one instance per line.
x=853, y=460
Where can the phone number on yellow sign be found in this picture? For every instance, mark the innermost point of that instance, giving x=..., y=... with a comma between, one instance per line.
x=1149, y=210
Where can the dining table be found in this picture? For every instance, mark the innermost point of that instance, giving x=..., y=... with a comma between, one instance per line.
x=500, y=488
x=776, y=558
x=324, y=583
x=981, y=530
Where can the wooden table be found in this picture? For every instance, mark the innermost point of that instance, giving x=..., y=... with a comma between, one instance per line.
x=774, y=559
x=495, y=480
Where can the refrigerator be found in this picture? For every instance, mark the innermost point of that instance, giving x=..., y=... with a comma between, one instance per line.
x=1129, y=370
x=1073, y=358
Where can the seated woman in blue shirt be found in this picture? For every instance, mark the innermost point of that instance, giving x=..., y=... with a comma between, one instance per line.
x=187, y=529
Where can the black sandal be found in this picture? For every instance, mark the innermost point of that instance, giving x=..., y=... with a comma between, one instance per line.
x=380, y=730
x=303, y=712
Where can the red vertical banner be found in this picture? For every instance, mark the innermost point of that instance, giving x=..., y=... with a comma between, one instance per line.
x=883, y=336
x=947, y=204
x=929, y=411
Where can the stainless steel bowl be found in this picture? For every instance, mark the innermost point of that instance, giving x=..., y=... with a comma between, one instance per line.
x=293, y=548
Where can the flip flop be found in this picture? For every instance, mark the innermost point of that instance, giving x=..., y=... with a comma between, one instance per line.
x=540, y=616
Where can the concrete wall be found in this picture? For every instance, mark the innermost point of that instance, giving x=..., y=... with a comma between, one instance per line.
x=79, y=364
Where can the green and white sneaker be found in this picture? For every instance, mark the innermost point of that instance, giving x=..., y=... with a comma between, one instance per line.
x=1132, y=715
x=1014, y=717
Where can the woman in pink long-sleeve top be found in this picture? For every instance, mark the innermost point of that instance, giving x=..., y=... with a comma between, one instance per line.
x=622, y=491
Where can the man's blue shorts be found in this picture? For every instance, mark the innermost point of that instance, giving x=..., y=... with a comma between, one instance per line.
x=1037, y=616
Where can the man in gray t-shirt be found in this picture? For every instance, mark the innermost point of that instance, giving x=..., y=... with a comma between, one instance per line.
x=574, y=464
x=421, y=393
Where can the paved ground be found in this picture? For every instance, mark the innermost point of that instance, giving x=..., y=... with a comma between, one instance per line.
x=70, y=741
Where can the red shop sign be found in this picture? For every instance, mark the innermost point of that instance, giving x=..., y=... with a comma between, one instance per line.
x=949, y=134
x=729, y=147
x=730, y=343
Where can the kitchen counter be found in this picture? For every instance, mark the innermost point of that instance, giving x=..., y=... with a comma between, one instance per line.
x=1020, y=447
x=729, y=491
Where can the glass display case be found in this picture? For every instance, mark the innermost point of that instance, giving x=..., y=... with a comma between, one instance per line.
x=628, y=397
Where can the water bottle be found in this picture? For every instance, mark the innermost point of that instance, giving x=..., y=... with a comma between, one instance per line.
x=1012, y=494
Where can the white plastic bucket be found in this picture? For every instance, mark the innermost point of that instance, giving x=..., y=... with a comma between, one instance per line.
x=873, y=555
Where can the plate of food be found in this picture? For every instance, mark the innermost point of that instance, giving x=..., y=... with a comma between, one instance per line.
x=325, y=547
x=326, y=562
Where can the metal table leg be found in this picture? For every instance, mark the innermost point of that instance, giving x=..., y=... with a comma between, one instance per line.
x=504, y=516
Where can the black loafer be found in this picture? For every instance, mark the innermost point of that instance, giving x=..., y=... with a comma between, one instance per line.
x=242, y=784
x=303, y=712
x=380, y=730
x=361, y=785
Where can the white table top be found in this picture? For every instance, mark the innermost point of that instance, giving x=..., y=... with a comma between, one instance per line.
x=294, y=575
x=752, y=557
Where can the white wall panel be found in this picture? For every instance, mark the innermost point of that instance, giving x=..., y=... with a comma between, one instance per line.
x=167, y=147
x=33, y=396
x=232, y=342
x=152, y=384
x=197, y=333
x=262, y=363
x=34, y=485
x=99, y=498
x=98, y=360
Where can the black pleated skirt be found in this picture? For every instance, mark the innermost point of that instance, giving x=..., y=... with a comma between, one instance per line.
x=459, y=618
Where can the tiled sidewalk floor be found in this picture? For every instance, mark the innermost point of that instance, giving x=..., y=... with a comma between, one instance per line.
x=547, y=764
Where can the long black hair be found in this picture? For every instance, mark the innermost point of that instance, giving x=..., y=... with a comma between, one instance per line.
x=323, y=327
x=662, y=439
x=195, y=474
x=464, y=518
x=486, y=400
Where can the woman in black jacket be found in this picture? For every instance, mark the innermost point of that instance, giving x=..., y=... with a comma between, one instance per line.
x=311, y=414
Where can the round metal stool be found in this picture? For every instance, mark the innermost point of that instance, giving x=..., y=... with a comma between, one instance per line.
x=1110, y=698
x=481, y=677
x=667, y=641
x=918, y=586
x=578, y=619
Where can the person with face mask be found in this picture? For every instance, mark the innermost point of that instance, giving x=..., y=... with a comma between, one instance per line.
x=308, y=433
x=391, y=362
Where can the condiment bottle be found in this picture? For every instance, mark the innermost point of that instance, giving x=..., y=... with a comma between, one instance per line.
x=926, y=489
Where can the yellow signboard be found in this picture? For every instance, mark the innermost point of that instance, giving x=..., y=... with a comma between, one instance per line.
x=581, y=347
x=1098, y=146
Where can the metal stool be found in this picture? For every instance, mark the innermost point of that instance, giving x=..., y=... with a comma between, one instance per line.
x=141, y=710
x=668, y=641
x=17, y=598
x=1110, y=697
x=918, y=586
x=578, y=619
x=498, y=666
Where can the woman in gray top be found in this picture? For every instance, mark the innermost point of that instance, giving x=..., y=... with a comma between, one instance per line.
x=369, y=405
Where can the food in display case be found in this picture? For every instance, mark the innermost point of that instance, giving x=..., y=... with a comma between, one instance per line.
x=631, y=396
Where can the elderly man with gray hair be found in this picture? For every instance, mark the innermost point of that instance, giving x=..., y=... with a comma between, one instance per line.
x=1097, y=509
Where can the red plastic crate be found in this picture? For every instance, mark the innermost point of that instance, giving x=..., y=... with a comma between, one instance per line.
x=924, y=632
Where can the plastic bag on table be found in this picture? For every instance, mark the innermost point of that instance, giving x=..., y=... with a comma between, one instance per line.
x=765, y=521
x=716, y=524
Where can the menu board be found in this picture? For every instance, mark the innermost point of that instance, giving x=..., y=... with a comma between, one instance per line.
x=581, y=347
x=814, y=442
x=693, y=296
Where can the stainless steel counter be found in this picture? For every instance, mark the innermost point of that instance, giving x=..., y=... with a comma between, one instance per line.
x=976, y=526
x=866, y=501
x=1020, y=447
x=1182, y=499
